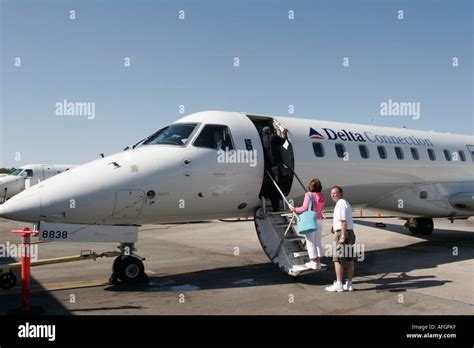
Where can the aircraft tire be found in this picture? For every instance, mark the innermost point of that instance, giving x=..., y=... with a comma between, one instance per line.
x=423, y=226
x=129, y=269
x=426, y=226
x=414, y=229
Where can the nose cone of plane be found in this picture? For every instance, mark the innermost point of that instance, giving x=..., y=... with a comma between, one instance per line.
x=23, y=207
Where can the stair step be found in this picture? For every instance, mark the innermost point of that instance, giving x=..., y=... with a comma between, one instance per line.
x=281, y=225
x=287, y=214
x=280, y=228
x=278, y=224
x=302, y=269
x=280, y=213
x=300, y=253
x=293, y=238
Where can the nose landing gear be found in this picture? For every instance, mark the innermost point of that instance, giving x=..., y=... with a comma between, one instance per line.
x=128, y=268
x=422, y=226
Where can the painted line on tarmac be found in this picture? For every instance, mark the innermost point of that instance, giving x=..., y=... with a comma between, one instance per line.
x=64, y=285
x=58, y=286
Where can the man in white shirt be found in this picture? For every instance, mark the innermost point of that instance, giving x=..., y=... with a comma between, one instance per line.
x=343, y=254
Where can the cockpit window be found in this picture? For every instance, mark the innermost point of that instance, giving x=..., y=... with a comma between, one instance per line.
x=214, y=137
x=175, y=134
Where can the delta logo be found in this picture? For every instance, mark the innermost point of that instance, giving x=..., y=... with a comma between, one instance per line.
x=314, y=134
x=332, y=135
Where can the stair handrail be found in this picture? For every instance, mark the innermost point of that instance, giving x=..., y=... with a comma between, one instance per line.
x=282, y=194
x=297, y=177
x=278, y=188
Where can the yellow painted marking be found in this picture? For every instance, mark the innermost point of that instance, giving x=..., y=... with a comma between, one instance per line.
x=59, y=286
x=68, y=285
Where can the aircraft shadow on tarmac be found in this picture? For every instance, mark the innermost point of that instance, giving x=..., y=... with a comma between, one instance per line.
x=385, y=269
x=438, y=233
x=217, y=278
x=10, y=300
x=392, y=265
x=104, y=308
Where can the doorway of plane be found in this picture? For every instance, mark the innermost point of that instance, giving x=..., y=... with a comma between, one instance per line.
x=286, y=151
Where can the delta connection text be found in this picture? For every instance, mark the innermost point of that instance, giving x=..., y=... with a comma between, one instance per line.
x=370, y=137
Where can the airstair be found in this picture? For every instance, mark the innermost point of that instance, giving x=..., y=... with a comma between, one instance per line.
x=277, y=233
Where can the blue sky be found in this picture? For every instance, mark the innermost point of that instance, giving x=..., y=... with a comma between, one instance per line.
x=190, y=62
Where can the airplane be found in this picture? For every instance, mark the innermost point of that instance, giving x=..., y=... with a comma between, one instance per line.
x=27, y=176
x=177, y=175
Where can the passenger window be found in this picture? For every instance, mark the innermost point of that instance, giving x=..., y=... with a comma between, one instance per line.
x=382, y=152
x=432, y=154
x=340, y=150
x=399, y=152
x=215, y=137
x=364, y=151
x=462, y=156
x=447, y=155
x=318, y=149
x=414, y=153
x=29, y=172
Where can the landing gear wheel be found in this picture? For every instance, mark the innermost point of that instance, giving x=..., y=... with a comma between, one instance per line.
x=422, y=226
x=128, y=269
x=414, y=229
x=426, y=226
x=7, y=280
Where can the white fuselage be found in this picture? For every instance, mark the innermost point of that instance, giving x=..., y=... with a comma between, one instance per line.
x=174, y=183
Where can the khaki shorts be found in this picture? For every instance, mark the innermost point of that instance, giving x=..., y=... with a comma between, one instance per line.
x=345, y=252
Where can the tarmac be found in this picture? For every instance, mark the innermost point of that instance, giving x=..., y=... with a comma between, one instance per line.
x=219, y=267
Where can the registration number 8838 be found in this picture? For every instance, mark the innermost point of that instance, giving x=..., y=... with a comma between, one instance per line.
x=53, y=234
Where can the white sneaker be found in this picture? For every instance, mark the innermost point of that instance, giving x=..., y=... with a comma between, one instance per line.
x=336, y=287
x=347, y=286
x=313, y=265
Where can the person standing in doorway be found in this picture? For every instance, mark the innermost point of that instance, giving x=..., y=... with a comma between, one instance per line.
x=272, y=153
